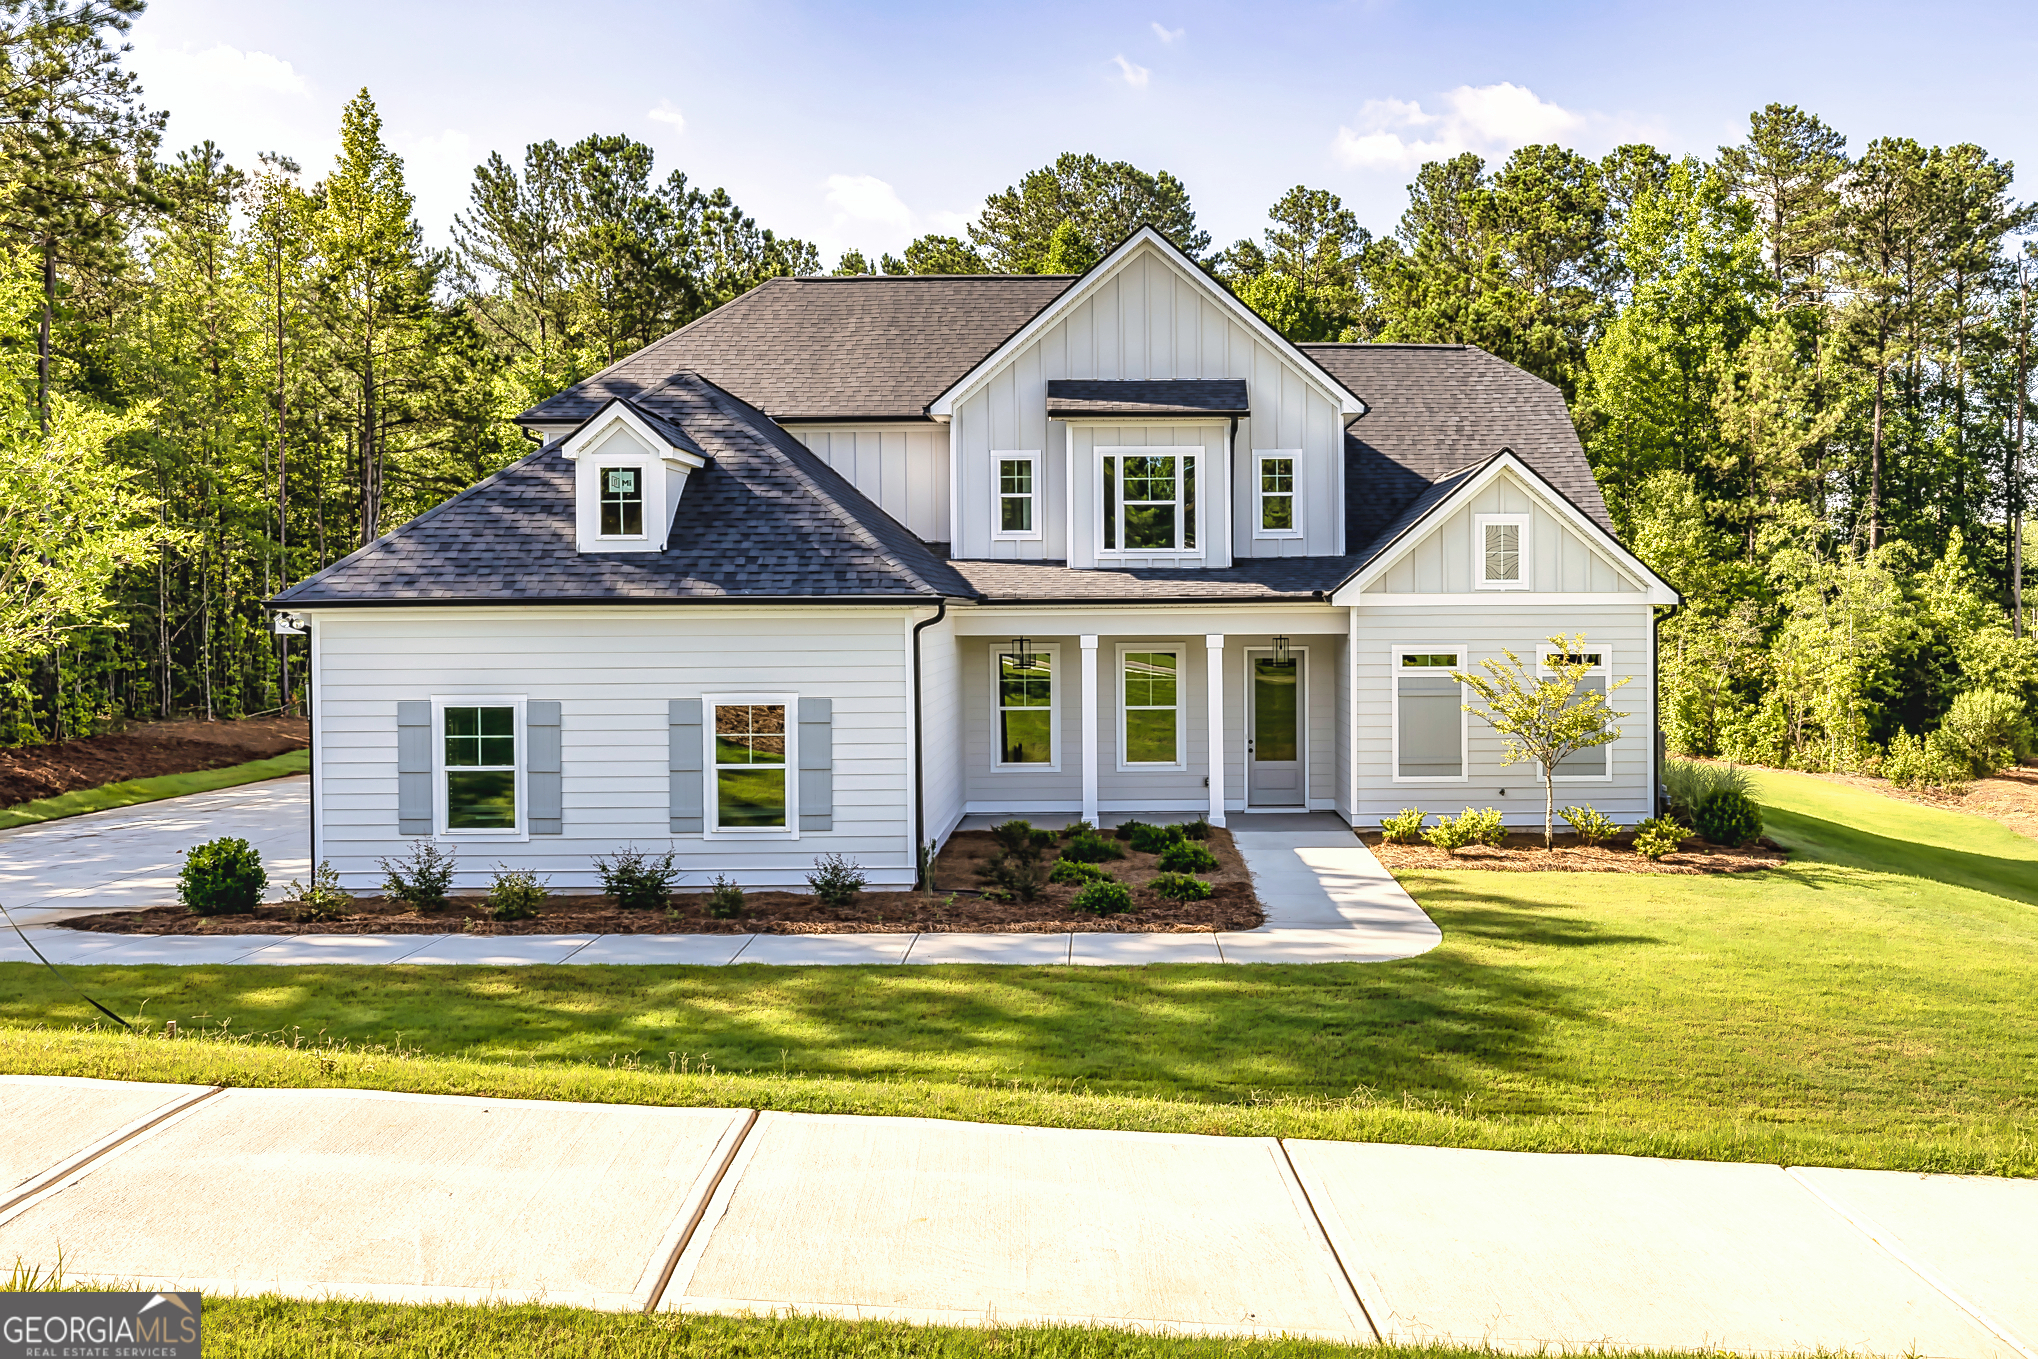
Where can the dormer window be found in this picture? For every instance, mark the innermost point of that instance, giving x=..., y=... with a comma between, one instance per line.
x=1149, y=501
x=622, y=502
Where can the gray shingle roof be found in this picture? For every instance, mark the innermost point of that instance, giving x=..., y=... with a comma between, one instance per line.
x=1264, y=579
x=863, y=348
x=1182, y=396
x=1437, y=408
x=765, y=519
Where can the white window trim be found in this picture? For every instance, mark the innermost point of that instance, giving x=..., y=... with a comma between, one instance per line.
x=711, y=804
x=1030, y=455
x=1052, y=650
x=1605, y=667
x=1394, y=709
x=1189, y=451
x=1479, y=523
x=1182, y=706
x=440, y=809
x=644, y=466
x=1294, y=456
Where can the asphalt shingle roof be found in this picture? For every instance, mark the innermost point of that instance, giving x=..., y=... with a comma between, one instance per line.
x=1180, y=396
x=1267, y=578
x=860, y=348
x=765, y=518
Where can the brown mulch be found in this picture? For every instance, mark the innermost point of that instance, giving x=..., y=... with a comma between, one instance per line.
x=1231, y=906
x=144, y=751
x=1525, y=854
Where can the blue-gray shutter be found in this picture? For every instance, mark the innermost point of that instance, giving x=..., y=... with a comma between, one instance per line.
x=414, y=767
x=817, y=764
x=1432, y=727
x=541, y=770
x=683, y=760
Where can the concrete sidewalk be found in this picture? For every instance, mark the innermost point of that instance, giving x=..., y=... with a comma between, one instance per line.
x=402, y=1197
x=1327, y=897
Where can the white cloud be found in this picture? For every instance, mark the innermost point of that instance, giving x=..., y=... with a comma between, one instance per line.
x=218, y=69
x=666, y=113
x=1394, y=134
x=1135, y=75
x=866, y=198
x=1168, y=35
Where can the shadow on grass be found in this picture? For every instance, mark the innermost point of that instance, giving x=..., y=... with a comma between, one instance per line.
x=1816, y=838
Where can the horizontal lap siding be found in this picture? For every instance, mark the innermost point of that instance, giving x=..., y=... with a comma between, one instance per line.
x=1485, y=631
x=614, y=677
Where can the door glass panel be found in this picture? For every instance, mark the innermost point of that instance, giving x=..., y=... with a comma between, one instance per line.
x=1274, y=714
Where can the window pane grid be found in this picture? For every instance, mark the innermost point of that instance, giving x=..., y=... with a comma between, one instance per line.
x=1015, y=495
x=1151, y=688
x=1503, y=552
x=622, y=502
x=480, y=760
x=1149, y=503
x=1277, y=494
x=750, y=776
x=1025, y=709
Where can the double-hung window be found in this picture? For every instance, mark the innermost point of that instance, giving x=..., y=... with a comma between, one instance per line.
x=622, y=502
x=750, y=750
x=1278, y=518
x=1026, y=716
x=1018, y=508
x=1591, y=762
x=1150, y=707
x=1149, y=501
x=1429, y=714
x=479, y=749
x=1500, y=551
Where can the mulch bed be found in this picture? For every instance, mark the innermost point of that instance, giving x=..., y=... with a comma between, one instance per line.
x=141, y=752
x=1525, y=854
x=955, y=908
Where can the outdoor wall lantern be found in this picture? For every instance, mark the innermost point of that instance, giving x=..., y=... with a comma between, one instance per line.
x=1022, y=653
x=1280, y=651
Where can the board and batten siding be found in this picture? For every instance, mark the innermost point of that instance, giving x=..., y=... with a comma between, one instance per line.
x=1146, y=319
x=613, y=672
x=902, y=468
x=1623, y=629
x=1559, y=560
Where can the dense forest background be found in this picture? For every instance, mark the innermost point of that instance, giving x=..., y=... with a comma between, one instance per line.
x=1801, y=371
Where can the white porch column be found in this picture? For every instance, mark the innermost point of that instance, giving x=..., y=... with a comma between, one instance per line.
x=1213, y=652
x=1089, y=645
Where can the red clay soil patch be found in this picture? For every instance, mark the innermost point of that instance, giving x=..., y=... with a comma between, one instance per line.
x=141, y=752
x=1231, y=906
x=1525, y=854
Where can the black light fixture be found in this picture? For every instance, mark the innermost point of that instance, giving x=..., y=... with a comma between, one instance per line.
x=1280, y=651
x=1022, y=653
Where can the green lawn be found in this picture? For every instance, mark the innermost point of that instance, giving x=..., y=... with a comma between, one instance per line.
x=132, y=791
x=1822, y=1013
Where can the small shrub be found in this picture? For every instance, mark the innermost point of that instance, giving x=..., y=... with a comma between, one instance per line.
x=222, y=877
x=1729, y=818
x=1020, y=837
x=836, y=880
x=637, y=882
x=1981, y=728
x=1486, y=827
x=1924, y=763
x=1091, y=849
x=1688, y=784
x=1068, y=871
x=1199, y=829
x=1186, y=856
x=420, y=881
x=1179, y=887
x=1022, y=875
x=515, y=894
x=325, y=899
x=1658, y=836
x=1593, y=828
x=725, y=900
x=1075, y=828
x=1127, y=829
x=1451, y=834
x=1402, y=828
x=1102, y=898
x=1155, y=839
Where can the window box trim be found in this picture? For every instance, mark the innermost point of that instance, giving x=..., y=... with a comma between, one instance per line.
x=1180, y=763
x=1479, y=525
x=645, y=465
x=1604, y=669
x=998, y=532
x=1052, y=650
x=711, y=803
x=1192, y=452
x=1394, y=773
x=441, y=811
x=1260, y=456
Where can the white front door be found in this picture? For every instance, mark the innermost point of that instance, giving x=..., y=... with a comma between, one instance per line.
x=1274, y=758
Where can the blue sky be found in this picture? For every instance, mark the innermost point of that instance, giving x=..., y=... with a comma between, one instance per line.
x=867, y=125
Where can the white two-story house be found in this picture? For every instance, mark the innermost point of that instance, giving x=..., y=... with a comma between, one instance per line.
x=850, y=559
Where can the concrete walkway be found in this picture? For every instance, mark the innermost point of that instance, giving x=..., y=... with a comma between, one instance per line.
x=1327, y=898
x=409, y=1197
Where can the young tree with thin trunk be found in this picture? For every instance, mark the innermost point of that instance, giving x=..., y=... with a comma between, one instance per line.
x=1546, y=717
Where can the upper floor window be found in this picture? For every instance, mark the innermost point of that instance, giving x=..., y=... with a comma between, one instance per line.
x=622, y=502
x=1500, y=551
x=1018, y=496
x=1150, y=501
x=1277, y=497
